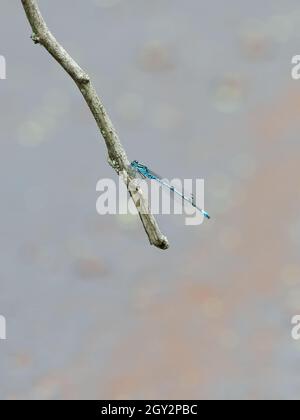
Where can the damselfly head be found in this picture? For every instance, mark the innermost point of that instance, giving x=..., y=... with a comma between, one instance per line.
x=134, y=163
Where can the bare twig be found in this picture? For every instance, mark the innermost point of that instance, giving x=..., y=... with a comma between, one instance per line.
x=117, y=157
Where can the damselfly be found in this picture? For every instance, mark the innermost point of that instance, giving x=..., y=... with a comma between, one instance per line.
x=145, y=172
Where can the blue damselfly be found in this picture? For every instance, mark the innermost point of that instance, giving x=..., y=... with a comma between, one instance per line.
x=145, y=172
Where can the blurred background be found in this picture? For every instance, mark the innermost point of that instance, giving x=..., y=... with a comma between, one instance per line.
x=196, y=90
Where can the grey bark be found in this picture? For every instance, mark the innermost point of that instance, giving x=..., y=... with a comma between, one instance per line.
x=117, y=157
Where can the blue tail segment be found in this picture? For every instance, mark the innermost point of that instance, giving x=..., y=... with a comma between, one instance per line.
x=205, y=214
x=145, y=172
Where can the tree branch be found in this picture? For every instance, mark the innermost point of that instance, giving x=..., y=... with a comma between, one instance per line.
x=117, y=157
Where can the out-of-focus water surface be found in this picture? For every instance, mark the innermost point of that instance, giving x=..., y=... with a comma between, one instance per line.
x=195, y=89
